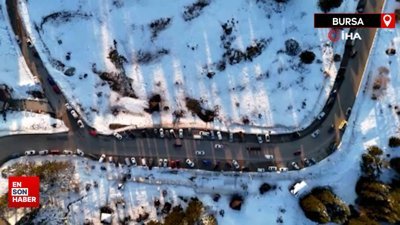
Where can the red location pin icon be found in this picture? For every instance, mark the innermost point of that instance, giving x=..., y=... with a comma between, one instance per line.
x=388, y=20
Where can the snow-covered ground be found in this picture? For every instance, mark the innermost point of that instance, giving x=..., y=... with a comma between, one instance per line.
x=13, y=69
x=271, y=91
x=30, y=123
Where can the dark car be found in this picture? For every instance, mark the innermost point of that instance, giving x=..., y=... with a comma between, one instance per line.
x=51, y=81
x=297, y=153
x=56, y=89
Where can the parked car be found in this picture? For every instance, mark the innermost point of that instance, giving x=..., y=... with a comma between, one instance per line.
x=269, y=157
x=190, y=163
x=212, y=134
x=117, y=136
x=93, y=132
x=29, y=42
x=235, y=164
x=178, y=142
x=17, y=39
x=230, y=137
x=144, y=162
x=204, y=133
x=331, y=128
x=218, y=146
x=102, y=157
x=80, y=124
x=68, y=152
x=283, y=169
x=44, y=152
x=219, y=135
x=165, y=163
x=180, y=131
x=267, y=137
x=260, y=170
x=259, y=139
x=110, y=159
x=128, y=162
x=272, y=168
x=68, y=106
x=348, y=111
x=306, y=162
x=160, y=162
x=133, y=161
x=74, y=114
x=321, y=115
x=79, y=152
x=199, y=152
x=315, y=133
x=297, y=153
x=342, y=125
x=161, y=133
x=172, y=132
x=55, y=152
x=295, y=166
x=51, y=81
x=56, y=89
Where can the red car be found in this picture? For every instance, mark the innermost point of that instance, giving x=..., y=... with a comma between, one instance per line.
x=56, y=89
x=93, y=132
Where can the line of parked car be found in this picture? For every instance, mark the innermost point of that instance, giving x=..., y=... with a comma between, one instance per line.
x=75, y=115
x=54, y=152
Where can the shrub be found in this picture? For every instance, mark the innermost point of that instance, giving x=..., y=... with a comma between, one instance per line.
x=328, y=5
x=394, y=142
x=292, y=47
x=395, y=164
x=307, y=57
x=265, y=187
x=236, y=202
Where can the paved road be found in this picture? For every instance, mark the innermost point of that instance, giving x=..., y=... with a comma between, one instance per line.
x=281, y=146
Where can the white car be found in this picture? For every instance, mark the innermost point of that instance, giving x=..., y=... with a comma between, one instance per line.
x=161, y=133
x=74, y=114
x=160, y=162
x=68, y=152
x=102, y=157
x=189, y=163
x=212, y=135
x=117, y=136
x=260, y=170
x=79, y=152
x=110, y=159
x=321, y=115
x=235, y=164
x=127, y=161
x=180, y=133
x=259, y=139
x=283, y=169
x=44, y=152
x=267, y=137
x=295, y=166
x=230, y=137
x=144, y=163
x=17, y=39
x=315, y=133
x=219, y=135
x=165, y=163
x=133, y=161
x=218, y=146
x=68, y=106
x=272, y=168
x=269, y=157
x=80, y=124
x=199, y=152
x=204, y=133
x=30, y=152
x=29, y=42
x=172, y=132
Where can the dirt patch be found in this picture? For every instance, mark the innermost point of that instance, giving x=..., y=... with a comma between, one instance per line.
x=204, y=114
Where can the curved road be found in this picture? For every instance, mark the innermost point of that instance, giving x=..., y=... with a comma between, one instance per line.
x=282, y=147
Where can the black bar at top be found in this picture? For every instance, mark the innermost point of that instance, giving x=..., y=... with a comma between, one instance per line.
x=325, y=20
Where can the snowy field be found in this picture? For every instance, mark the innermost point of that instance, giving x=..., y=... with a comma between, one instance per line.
x=219, y=61
x=13, y=69
x=30, y=123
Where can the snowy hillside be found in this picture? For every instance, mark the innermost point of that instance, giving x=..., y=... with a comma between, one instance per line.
x=13, y=69
x=153, y=62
